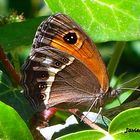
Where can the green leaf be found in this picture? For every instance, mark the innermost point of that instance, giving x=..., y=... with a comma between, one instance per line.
x=126, y=120
x=103, y=20
x=13, y=97
x=19, y=34
x=83, y=135
x=117, y=102
x=11, y=125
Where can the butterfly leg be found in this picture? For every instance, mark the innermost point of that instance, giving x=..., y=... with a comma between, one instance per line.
x=9, y=67
x=99, y=112
x=80, y=115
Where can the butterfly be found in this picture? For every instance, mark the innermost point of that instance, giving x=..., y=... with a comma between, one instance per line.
x=64, y=68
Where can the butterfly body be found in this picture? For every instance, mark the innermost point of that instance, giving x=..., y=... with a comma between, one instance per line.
x=64, y=68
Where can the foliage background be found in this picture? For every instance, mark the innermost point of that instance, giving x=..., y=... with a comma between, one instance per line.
x=30, y=9
x=32, y=12
x=35, y=8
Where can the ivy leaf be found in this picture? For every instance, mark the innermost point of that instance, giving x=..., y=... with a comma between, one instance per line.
x=11, y=125
x=126, y=125
x=84, y=135
x=103, y=20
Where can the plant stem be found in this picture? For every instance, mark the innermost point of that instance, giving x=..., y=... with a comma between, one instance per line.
x=9, y=67
x=119, y=47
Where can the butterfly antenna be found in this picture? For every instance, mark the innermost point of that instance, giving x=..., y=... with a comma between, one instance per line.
x=133, y=89
x=130, y=80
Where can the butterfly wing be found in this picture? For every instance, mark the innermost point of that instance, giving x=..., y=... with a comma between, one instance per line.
x=64, y=67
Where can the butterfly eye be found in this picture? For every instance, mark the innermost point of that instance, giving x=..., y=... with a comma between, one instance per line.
x=42, y=86
x=65, y=60
x=42, y=96
x=41, y=74
x=44, y=75
x=58, y=64
x=70, y=38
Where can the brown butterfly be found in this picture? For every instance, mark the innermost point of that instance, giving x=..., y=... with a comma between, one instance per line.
x=64, y=68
